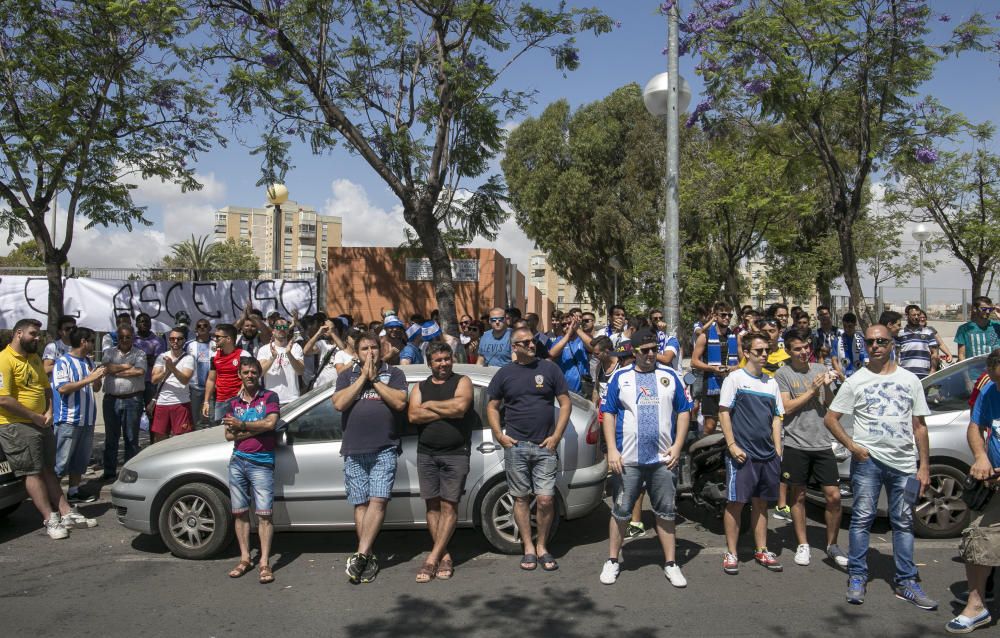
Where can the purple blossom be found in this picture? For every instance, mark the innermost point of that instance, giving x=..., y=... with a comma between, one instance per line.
x=883, y=18
x=243, y=20
x=703, y=107
x=278, y=4
x=667, y=5
x=291, y=130
x=944, y=17
x=721, y=5
x=757, y=86
x=665, y=51
x=926, y=155
x=60, y=12
x=618, y=24
x=272, y=33
x=760, y=58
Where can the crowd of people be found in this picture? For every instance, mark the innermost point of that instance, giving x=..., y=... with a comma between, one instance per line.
x=775, y=383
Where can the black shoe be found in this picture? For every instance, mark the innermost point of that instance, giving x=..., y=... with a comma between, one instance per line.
x=356, y=564
x=80, y=497
x=108, y=477
x=371, y=569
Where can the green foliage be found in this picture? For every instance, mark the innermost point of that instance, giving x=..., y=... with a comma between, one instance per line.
x=24, y=255
x=411, y=87
x=94, y=97
x=880, y=246
x=203, y=260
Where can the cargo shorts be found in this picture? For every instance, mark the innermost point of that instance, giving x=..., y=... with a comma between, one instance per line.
x=981, y=540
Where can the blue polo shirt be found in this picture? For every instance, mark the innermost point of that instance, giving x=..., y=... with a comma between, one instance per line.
x=986, y=414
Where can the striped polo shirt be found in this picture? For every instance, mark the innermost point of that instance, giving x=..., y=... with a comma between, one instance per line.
x=915, y=349
x=75, y=408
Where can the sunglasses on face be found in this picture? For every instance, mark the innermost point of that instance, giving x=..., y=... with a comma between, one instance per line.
x=727, y=315
x=463, y=323
x=760, y=323
x=496, y=319
x=758, y=352
x=281, y=326
x=175, y=338
x=524, y=343
x=217, y=337
x=986, y=309
x=647, y=350
x=657, y=318
x=880, y=341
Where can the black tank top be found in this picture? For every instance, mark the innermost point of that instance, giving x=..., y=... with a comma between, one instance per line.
x=444, y=436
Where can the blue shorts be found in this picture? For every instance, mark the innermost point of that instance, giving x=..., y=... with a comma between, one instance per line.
x=74, y=444
x=531, y=469
x=370, y=476
x=661, y=485
x=752, y=479
x=250, y=482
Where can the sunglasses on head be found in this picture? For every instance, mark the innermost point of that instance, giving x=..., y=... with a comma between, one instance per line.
x=760, y=323
x=880, y=341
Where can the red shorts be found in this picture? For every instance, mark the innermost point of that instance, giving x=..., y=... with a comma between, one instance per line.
x=175, y=419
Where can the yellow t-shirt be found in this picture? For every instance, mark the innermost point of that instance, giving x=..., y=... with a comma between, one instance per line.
x=23, y=378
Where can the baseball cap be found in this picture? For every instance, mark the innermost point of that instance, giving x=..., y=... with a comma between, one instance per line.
x=643, y=337
x=623, y=349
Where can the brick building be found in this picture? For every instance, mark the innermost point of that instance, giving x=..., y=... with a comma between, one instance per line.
x=363, y=281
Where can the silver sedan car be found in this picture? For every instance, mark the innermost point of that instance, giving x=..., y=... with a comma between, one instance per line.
x=178, y=488
x=941, y=512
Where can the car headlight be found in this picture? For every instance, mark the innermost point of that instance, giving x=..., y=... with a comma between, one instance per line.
x=128, y=476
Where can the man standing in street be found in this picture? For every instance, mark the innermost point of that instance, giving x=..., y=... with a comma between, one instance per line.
x=372, y=397
x=250, y=421
x=917, y=345
x=60, y=346
x=750, y=411
x=646, y=413
x=526, y=389
x=441, y=408
x=74, y=382
x=889, y=438
x=806, y=392
x=124, y=385
x=494, y=345
x=282, y=363
x=826, y=334
x=569, y=352
x=715, y=354
x=223, y=380
x=173, y=370
x=26, y=434
x=980, y=547
x=980, y=335
x=152, y=345
x=849, y=354
x=201, y=350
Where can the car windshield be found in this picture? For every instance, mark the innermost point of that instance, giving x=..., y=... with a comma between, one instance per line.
x=949, y=389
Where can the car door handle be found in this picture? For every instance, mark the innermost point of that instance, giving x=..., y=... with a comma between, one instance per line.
x=488, y=448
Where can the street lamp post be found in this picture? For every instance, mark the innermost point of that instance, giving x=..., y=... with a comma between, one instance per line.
x=921, y=235
x=277, y=194
x=665, y=96
x=616, y=265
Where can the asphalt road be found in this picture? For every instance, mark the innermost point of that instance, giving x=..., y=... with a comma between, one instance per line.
x=109, y=581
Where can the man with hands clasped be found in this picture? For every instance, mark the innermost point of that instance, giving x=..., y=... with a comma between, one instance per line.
x=646, y=417
x=527, y=388
x=889, y=437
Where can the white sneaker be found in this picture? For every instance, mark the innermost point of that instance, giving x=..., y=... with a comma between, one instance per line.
x=674, y=575
x=77, y=520
x=802, y=555
x=54, y=528
x=609, y=573
x=837, y=554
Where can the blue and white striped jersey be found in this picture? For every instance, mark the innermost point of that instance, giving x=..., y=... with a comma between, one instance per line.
x=645, y=405
x=77, y=408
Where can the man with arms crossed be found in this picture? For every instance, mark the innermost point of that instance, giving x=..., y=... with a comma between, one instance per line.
x=527, y=389
x=372, y=397
x=750, y=412
x=646, y=417
x=250, y=421
x=806, y=392
x=441, y=408
x=889, y=436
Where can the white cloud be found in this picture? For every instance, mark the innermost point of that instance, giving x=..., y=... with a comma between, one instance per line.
x=155, y=191
x=365, y=224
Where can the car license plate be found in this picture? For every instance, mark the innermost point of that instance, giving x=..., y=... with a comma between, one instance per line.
x=5, y=467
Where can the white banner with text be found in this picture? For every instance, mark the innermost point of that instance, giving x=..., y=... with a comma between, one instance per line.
x=96, y=302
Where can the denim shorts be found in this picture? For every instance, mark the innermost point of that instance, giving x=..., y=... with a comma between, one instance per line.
x=661, y=485
x=531, y=469
x=370, y=476
x=250, y=482
x=74, y=444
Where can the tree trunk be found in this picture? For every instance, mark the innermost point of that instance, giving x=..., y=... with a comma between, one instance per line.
x=823, y=290
x=437, y=252
x=850, y=270
x=53, y=272
x=978, y=277
x=733, y=288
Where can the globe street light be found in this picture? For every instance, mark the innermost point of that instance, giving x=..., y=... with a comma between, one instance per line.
x=665, y=96
x=920, y=235
x=277, y=194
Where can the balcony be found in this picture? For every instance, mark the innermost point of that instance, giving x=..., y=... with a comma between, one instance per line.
x=307, y=231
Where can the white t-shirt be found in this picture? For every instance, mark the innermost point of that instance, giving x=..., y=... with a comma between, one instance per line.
x=55, y=350
x=281, y=377
x=173, y=391
x=883, y=406
x=328, y=375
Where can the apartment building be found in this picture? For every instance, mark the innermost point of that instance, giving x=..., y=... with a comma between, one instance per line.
x=305, y=235
x=560, y=292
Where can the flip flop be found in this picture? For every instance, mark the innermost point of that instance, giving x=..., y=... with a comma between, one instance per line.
x=529, y=562
x=240, y=569
x=547, y=559
x=445, y=569
x=426, y=573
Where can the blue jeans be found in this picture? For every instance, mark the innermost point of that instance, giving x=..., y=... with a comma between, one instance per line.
x=250, y=484
x=660, y=484
x=197, y=399
x=121, y=420
x=867, y=479
x=73, y=446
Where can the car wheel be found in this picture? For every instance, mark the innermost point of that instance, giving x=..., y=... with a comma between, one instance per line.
x=10, y=509
x=942, y=513
x=195, y=521
x=496, y=519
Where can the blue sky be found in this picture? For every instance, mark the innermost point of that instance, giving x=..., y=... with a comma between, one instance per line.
x=342, y=184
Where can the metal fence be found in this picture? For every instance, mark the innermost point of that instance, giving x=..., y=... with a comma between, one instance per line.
x=943, y=304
